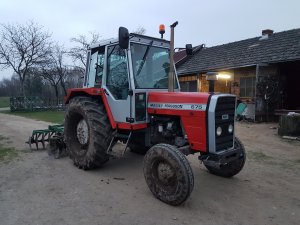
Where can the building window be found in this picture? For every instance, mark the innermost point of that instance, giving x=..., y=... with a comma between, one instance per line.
x=247, y=87
x=188, y=86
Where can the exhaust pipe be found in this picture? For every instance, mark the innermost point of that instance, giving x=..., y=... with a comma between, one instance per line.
x=171, y=82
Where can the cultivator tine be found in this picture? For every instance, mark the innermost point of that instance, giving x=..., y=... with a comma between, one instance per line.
x=36, y=141
x=44, y=136
x=43, y=140
x=29, y=142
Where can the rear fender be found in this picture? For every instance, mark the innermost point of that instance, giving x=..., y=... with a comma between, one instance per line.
x=92, y=92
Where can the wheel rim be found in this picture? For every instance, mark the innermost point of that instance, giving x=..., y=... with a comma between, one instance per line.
x=166, y=174
x=82, y=132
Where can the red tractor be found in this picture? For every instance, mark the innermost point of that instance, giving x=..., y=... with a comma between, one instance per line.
x=131, y=94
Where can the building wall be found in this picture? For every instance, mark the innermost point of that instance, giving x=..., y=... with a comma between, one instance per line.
x=189, y=83
x=222, y=86
x=289, y=85
x=256, y=88
x=267, y=92
x=241, y=73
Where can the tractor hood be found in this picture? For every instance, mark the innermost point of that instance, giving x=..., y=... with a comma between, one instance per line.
x=190, y=107
x=183, y=101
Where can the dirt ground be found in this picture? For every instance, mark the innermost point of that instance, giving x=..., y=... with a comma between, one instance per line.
x=36, y=189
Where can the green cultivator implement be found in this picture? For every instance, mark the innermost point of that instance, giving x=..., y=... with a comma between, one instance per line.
x=51, y=138
x=44, y=136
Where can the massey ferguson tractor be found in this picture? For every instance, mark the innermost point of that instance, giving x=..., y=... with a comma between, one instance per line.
x=131, y=95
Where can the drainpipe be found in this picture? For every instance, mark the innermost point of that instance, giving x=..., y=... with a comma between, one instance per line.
x=256, y=79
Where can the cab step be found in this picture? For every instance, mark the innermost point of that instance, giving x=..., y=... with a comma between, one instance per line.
x=116, y=147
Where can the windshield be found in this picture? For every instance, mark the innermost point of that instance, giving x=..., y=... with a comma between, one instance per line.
x=151, y=66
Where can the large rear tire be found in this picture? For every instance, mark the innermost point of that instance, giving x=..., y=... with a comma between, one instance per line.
x=168, y=174
x=233, y=167
x=87, y=132
x=137, y=143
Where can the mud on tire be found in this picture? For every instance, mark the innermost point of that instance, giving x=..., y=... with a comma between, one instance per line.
x=168, y=174
x=87, y=132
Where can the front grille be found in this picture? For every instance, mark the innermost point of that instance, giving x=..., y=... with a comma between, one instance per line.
x=224, y=115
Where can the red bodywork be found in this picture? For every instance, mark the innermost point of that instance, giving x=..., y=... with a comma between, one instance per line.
x=99, y=92
x=92, y=92
x=193, y=120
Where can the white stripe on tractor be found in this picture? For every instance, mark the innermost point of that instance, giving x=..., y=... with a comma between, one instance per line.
x=177, y=106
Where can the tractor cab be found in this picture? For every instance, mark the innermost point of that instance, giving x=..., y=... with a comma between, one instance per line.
x=128, y=74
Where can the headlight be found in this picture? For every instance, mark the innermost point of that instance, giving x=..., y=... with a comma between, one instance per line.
x=219, y=131
x=230, y=128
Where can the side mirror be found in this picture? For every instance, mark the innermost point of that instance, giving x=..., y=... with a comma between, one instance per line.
x=189, y=49
x=123, y=37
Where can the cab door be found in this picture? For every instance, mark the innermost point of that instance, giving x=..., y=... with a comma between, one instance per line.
x=116, y=83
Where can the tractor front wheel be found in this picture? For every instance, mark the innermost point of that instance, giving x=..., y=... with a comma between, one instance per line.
x=168, y=174
x=233, y=167
x=87, y=132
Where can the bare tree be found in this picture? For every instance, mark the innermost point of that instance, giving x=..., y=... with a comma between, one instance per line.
x=55, y=70
x=23, y=47
x=140, y=30
x=9, y=87
x=74, y=78
x=78, y=52
x=51, y=76
x=61, y=69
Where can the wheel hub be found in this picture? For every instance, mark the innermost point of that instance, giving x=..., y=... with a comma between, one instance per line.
x=165, y=173
x=82, y=132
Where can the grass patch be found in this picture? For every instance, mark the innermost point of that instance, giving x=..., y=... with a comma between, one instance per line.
x=297, y=161
x=258, y=156
x=6, y=153
x=48, y=116
x=289, y=165
x=3, y=139
x=4, y=102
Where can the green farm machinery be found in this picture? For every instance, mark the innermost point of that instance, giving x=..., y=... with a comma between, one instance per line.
x=50, y=139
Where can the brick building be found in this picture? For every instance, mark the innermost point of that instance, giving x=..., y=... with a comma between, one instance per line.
x=263, y=72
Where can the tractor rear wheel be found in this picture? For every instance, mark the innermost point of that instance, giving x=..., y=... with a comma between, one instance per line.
x=87, y=132
x=137, y=143
x=168, y=174
x=233, y=167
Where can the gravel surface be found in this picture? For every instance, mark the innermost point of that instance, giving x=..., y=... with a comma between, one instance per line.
x=36, y=189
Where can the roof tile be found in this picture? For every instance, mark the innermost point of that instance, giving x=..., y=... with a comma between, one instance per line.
x=281, y=46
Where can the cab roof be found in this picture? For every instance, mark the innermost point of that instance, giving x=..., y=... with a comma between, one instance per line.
x=138, y=38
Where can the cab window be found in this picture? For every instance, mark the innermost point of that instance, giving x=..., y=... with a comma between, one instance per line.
x=95, y=72
x=117, y=72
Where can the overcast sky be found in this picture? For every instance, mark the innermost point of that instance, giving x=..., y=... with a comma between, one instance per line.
x=211, y=22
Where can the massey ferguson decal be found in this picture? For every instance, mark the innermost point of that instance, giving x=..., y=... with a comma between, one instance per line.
x=177, y=106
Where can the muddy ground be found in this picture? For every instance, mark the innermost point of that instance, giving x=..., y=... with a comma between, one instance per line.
x=36, y=189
